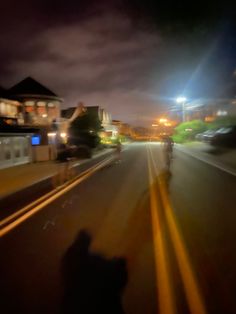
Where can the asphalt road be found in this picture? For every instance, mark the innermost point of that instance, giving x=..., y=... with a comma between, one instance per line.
x=130, y=237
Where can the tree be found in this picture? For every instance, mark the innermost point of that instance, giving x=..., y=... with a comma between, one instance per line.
x=84, y=130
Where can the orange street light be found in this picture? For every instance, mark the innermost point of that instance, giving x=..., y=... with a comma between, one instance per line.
x=162, y=120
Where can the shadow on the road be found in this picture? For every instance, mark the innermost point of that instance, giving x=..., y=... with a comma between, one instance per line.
x=216, y=150
x=92, y=283
x=165, y=177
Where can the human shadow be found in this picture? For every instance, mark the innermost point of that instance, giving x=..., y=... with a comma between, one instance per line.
x=164, y=177
x=92, y=283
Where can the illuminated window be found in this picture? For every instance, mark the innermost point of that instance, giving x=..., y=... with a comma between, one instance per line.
x=29, y=103
x=11, y=110
x=29, y=106
x=2, y=109
x=41, y=108
x=8, y=109
x=52, y=110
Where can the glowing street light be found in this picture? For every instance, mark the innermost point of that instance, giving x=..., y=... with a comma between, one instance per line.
x=182, y=100
x=162, y=120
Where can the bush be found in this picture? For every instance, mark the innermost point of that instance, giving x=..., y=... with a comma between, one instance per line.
x=178, y=138
x=188, y=130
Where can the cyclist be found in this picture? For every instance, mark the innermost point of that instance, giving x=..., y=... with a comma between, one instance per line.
x=118, y=150
x=168, y=150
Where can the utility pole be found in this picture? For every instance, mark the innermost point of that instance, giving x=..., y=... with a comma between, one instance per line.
x=181, y=100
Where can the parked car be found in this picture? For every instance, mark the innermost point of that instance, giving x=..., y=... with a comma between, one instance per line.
x=225, y=137
x=199, y=137
x=205, y=136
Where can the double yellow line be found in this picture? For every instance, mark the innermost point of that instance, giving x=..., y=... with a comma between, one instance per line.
x=12, y=221
x=160, y=202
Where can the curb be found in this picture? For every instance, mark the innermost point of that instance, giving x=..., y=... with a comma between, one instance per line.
x=214, y=163
x=22, y=197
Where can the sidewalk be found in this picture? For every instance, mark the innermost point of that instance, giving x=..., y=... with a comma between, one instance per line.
x=223, y=157
x=20, y=177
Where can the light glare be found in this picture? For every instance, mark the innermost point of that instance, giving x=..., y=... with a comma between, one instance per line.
x=181, y=99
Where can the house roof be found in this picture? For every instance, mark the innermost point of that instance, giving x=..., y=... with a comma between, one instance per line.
x=29, y=86
x=68, y=113
x=3, y=92
x=116, y=121
x=92, y=109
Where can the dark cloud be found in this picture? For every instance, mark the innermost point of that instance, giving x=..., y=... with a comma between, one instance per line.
x=131, y=57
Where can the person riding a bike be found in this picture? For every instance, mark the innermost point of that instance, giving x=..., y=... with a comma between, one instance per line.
x=168, y=150
x=169, y=144
x=118, y=150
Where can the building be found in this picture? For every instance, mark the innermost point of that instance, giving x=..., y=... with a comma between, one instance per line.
x=70, y=114
x=16, y=145
x=27, y=111
x=39, y=105
x=123, y=128
x=109, y=130
x=208, y=109
x=141, y=133
x=9, y=109
x=14, y=141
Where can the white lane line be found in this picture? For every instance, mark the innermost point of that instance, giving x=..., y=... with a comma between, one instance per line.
x=221, y=167
x=37, y=208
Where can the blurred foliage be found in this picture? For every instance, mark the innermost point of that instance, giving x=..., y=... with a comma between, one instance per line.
x=188, y=130
x=222, y=122
x=122, y=138
x=85, y=138
x=87, y=122
x=115, y=140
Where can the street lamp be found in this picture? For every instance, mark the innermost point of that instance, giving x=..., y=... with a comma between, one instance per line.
x=163, y=120
x=182, y=100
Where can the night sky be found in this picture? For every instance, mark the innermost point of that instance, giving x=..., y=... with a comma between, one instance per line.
x=131, y=57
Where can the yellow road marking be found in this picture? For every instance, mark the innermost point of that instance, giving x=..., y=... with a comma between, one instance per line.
x=192, y=291
x=53, y=197
x=164, y=293
x=42, y=198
